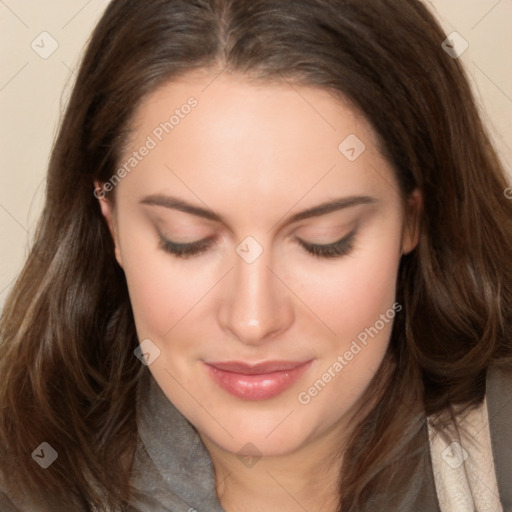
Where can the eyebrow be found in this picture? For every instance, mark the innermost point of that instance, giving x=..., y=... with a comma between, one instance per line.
x=316, y=211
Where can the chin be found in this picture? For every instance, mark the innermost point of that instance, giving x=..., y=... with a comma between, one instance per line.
x=269, y=435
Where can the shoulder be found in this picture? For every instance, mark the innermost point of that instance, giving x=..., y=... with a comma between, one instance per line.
x=499, y=409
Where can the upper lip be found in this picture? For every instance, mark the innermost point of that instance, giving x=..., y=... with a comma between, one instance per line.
x=256, y=368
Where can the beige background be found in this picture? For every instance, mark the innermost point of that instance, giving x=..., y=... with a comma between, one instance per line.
x=33, y=92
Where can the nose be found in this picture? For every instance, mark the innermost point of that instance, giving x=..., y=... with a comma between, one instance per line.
x=257, y=305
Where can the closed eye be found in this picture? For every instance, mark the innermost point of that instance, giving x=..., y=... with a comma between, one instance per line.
x=185, y=250
x=335, y=250
x=329, y=251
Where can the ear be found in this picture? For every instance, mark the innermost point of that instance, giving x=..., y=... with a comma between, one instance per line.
x=411, y=231
x=107, y=209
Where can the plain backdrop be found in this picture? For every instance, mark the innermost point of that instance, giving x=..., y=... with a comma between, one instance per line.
x=34, y=87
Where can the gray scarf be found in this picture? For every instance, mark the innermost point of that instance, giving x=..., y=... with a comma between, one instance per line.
x=174, y=472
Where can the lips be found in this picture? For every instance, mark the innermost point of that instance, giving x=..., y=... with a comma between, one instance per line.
x=260, y=381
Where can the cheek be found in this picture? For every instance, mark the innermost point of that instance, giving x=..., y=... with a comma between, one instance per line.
x=161, y=299
x=358, y=305
x=350, y=294
x=161, y=293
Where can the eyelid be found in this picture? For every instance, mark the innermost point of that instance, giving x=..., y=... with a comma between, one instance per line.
x=341, y=247
x=186, y=249
x=344, y=238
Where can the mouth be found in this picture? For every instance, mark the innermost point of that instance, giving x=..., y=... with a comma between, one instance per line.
x=260, y=381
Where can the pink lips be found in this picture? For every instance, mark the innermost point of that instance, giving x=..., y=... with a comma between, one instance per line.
x=256, y=382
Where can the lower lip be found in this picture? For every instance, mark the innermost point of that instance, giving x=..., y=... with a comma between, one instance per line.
x=257, y=387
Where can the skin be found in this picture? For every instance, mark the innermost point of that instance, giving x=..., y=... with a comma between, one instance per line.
x=256, y=154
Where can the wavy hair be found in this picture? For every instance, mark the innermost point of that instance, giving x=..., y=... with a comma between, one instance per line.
x=67, y=333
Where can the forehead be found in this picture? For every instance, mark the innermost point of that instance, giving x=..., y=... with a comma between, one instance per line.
x=273, y=139
x=240, y=107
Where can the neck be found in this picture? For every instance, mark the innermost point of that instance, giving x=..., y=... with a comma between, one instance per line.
x=307, y=479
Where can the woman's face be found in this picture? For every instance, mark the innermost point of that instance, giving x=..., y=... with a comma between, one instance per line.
x=262, y=345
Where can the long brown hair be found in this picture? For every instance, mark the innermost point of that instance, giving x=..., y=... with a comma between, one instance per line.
x=67, y=331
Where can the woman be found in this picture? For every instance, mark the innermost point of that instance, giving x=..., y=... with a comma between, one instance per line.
x=271, y=272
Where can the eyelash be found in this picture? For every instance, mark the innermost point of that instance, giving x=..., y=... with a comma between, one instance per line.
x=337, y=249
